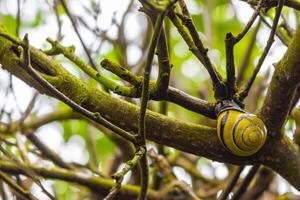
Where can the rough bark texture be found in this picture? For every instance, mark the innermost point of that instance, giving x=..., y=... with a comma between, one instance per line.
x=279, y=154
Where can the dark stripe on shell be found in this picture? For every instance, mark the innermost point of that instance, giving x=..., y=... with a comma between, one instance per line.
x=223, y=122
x=234, y=130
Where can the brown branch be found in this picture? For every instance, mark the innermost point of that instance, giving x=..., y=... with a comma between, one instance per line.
x=244, y=92
x=272, y=3
x=279, y=154
x=201, y=56
x=47, y=151
x=71, y=17
x=241, y=190
x=102, y=186
x=173, y=95
x=230, y=42
x=245, y=60
x=263, y=180
x=96, y=184
x=94, y=116
x=250, y=22
x=279, y=35
x=120, y=175
x=144, y=101
x=188, y=22
x=162, y=83
x=230, y=66
x=232, y=183
x=20, y=192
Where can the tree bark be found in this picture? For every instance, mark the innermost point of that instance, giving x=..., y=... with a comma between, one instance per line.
x=280, y=154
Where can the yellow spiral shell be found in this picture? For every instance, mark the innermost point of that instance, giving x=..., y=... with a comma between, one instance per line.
x=241, y=133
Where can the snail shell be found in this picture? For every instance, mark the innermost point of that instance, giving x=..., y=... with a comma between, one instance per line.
x=241, y=133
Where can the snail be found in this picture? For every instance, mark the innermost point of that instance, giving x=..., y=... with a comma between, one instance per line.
x=241, y=133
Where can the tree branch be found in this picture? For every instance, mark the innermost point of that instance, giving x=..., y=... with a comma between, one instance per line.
x=290, y=3
x=280, y=155
x=245, y=90
x=95, y=183
x=69, y=52
x=201, y=55
x=71, y=17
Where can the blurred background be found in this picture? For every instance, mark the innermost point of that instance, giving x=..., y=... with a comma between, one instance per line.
x=116, y=30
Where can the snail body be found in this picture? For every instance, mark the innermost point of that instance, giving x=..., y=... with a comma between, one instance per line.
x=241, y=133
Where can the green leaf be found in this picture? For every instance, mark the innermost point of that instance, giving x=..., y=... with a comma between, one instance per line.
x=10, y=23
x=105, y=148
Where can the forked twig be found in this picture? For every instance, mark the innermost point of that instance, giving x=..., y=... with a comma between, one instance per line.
x=93, y=116
x=120, y=176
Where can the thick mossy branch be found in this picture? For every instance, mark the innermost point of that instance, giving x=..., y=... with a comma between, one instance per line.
x=96, y=184
x=122, y=72
x=100, y=185
x=69, y=52
x=281, y=155
x=172, y=94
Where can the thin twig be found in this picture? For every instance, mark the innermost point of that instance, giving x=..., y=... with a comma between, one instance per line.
x=21, y=147
x=69, y=52
x=92, y=150
x=26, y=171
x=144, y=102
x=250, y=22
x=263, y=180
x=162, y=83
x=289, y=3
x=232, y=183
x=122, y=72
x=285, y=25
x=92, y=182
x=120, y=176
x=58, y=21
x=71, y=17
x=18, y=18
x=230, y=41
x=20, y=144
x=23, y=194
x=47, y=151
x=244, y=91
x=173, y=95
x=246, y=58
x=199, y=50
x=245, y=183
x=278, y=34
x=188, y=21
x=93, y=116
x=29, y=108
x=230, y=66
